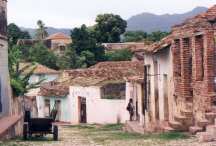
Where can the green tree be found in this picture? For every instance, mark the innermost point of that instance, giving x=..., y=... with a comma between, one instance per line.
x=15, y=33
x=109, y=28
x=40, y=53
x=86, y=47
x=134, y=36
x=19, y=81
x=70, y=60
x=41, y=32
x=82, y=39
x=157, y=36
x=119, y=55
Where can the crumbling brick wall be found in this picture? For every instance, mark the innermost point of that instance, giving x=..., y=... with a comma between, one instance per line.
x=193, y=51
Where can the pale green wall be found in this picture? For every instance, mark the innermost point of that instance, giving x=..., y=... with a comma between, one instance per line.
x=66, y=115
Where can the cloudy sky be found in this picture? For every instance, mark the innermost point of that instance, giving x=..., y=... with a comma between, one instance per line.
x=71, y=13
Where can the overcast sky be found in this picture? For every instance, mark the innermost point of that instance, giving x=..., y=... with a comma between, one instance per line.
x=72, y=13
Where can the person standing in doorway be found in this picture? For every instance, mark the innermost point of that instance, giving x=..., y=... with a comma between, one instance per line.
x=130, y=108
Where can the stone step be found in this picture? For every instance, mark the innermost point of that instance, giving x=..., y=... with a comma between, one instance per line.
x=205, y=137
x=182, y=119
x=168, y=129
x=203, y=123
x=186, y=113
x=175, y=125
x=134, y=127
x=195, y=129
x=210, y=116
x=211, y=129
x=215, y=121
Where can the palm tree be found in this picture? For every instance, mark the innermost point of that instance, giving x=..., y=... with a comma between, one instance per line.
x=41, y=32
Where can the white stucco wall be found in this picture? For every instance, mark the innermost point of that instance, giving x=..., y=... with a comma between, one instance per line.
x=101, y=111
x=164, y=59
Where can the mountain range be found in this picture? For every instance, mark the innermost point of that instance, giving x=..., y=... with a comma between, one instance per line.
x=147, y=22
x=150, y=22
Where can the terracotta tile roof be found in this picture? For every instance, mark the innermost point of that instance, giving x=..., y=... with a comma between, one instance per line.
x=165, y=42
x=209, y=15
x=110, y=70
x=39, y=69
x=58, y=36
x=54, y=89
x=116, y=64
x=101, y=73
x=132, y=46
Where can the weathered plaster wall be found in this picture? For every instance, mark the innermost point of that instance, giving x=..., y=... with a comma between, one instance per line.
x=66, y=107
x=164, y=60
x=98, y=110
x=4, y=78
x=5, y=93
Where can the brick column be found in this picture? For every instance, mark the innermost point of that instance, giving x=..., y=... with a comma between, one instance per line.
x=199, y=58
x=186, y=69
x=209, y=61
x=176, y=66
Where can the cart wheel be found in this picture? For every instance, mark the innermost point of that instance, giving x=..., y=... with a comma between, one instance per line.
x=25, y=131
x=55, y=132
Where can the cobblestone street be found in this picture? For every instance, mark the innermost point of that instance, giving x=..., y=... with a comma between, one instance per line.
x=106, y=136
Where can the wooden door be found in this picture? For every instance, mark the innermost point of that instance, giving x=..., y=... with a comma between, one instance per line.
x=83, y=116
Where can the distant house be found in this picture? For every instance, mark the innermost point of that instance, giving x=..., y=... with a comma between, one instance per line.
x=98, y=100
x=40, y=72
x=57, y=42
x=133, y=46
x=137, y=48
x=81, y=93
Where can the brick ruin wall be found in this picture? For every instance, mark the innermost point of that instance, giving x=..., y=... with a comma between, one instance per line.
x=194, y=62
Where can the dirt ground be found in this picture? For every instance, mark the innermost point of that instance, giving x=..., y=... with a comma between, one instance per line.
x=107, y=135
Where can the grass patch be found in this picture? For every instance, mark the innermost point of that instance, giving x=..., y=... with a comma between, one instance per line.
x=4, y=144
x=173, y=136
x=83, y=127
x=112, y=132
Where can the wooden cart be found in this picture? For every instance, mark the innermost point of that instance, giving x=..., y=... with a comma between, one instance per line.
x=40, y=126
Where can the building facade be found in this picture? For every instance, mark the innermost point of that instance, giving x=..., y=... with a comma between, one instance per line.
x=5, y=97
x=179, y=78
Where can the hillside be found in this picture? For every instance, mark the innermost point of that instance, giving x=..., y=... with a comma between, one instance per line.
x=151, y=22
x=50, y=30
x=148, y=22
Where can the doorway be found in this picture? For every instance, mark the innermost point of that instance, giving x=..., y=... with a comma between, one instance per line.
x=58, y=108
x=82, y=110
x=165, y=95
x=47, y=108
x=156, y=94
